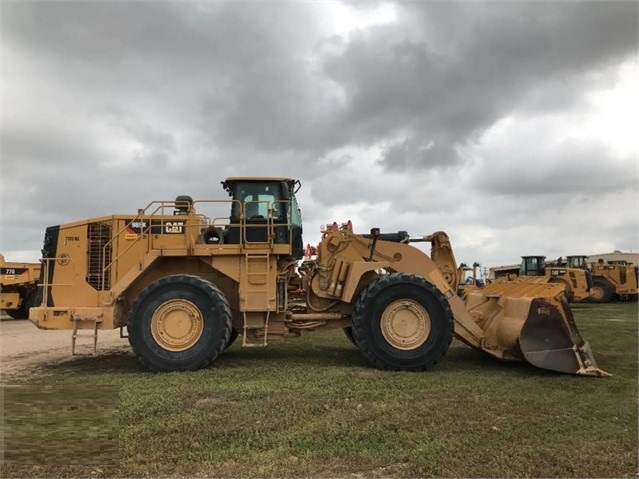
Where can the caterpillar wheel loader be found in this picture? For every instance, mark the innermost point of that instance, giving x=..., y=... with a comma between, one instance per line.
x=18, y=287
x=577, y=281
x=611, y=280
x=186, y=278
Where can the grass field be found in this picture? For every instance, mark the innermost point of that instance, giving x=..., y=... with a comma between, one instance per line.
x=312, y=407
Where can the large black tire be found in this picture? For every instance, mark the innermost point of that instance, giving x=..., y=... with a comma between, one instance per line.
x=600, y=292
x=179, y=323
x=402, y=322
x=28, y=302
x=348, y=331
x=19, y=313
x=232, y=337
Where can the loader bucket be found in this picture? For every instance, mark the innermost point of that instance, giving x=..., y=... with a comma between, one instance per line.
x=550, y=340
x=532, y=321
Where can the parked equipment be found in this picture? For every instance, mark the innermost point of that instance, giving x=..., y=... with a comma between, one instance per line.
x=186, y=284
x=18, y=287
x=610, y=280
x=577, y=281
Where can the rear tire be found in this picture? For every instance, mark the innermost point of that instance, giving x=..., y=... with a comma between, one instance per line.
x=348, y=331
x=29, y=301
x=179, y=323
x=402, y=322
x=600, y=292
x=232, y=337
x=19, y=313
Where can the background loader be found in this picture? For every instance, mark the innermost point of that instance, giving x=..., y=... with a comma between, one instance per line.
x=610, y=280
x=577, y=281
x=186, y=278
x=18, y=287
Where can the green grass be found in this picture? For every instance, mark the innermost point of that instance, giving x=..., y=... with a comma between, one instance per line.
x=61, y=425
x=311, y=406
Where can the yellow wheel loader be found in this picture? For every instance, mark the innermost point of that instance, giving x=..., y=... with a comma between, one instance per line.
x=610, y=280
x=187, y=277
x=577, y=281
x=18, y=287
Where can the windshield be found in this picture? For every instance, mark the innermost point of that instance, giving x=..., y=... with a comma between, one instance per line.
x=259, y=198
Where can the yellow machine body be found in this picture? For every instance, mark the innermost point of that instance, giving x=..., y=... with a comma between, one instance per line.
x=18, y=287
x=577, y=282
x=613, y=281
x=185, y=284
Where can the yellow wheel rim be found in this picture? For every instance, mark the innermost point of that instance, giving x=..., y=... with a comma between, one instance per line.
x=405, y=324
x=177, y=325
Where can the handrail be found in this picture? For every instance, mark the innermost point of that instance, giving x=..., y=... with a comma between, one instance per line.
x=155, y=208
x=159, y=208
x=45, y=285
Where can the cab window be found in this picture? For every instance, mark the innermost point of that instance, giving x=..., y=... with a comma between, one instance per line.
x=258, y=199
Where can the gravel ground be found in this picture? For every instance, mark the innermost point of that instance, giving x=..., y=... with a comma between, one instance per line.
x=23, y=347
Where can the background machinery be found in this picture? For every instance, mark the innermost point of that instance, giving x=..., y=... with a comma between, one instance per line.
x=186, y=278
x=577, y=281
x=610, y=280
x=18, y=287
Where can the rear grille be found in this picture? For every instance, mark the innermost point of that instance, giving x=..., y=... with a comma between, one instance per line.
x=99, y=257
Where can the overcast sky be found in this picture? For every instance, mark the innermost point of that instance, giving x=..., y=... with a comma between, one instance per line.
x=510, y=125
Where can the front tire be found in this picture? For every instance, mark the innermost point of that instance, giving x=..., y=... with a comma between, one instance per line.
x=402, y=322
x=601, y=292
x=179, y=323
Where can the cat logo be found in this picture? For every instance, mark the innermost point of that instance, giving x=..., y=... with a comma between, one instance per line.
x=174, y=227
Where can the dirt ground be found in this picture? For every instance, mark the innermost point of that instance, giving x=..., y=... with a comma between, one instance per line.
x=23, y=347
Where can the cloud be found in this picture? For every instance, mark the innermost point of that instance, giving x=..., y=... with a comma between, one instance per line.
x=495, y=121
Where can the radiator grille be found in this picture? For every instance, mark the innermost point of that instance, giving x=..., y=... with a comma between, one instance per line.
x=99, y=257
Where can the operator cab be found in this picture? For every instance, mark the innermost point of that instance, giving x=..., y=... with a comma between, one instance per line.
x=577, y=262
x=532, y=266
x=262, y=203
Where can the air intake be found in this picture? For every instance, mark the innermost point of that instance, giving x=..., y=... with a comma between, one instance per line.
x=99, y=257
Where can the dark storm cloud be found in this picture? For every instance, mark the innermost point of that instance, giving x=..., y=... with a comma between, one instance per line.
x=492, y=58
x=249, y=65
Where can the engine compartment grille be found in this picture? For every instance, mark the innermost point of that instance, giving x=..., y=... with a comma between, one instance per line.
x=99, y=257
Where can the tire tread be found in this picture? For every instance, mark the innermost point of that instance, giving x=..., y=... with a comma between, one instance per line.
x=368, y=295
x=211, y=290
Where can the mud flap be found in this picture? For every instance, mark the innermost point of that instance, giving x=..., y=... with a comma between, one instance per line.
x=549, y=339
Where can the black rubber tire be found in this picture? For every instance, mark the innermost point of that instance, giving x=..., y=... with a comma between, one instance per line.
x=23, y=311
x=19, y=313
x=605, y=290
x=211, y=303
x=212, y=235
x=348, y=331
x=232, y=337
x=367, y=330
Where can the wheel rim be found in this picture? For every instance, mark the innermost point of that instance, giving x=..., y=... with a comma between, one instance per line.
x=177, y=325
x=405, y=324
x=596, y=293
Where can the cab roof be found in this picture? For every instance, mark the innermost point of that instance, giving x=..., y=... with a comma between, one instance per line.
x=258, y=178
x=229, y=183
